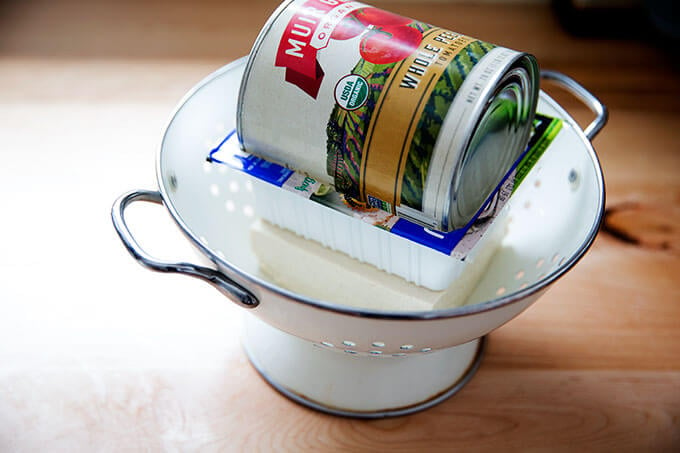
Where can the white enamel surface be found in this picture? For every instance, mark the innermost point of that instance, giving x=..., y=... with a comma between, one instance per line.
x=551, y=220
x=351, y=382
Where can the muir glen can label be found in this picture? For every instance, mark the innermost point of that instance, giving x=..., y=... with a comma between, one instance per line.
x=398, y=114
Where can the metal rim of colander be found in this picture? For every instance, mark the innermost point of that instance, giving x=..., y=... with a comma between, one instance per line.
x=456, y=312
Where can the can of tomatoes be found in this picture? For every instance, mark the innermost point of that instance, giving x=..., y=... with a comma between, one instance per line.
x=401, y=115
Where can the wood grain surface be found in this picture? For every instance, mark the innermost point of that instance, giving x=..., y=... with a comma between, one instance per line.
x=593, y=366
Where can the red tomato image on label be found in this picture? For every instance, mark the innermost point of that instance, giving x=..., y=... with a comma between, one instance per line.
x=350, y=27
x=375, y=16
x=389, y=44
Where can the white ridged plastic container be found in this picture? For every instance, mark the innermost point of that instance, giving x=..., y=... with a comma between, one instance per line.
x=362, y=241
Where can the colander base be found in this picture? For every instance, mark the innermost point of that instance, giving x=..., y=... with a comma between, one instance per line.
x=349, y=382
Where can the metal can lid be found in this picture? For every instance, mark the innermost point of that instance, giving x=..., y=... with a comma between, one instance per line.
x=498, y=139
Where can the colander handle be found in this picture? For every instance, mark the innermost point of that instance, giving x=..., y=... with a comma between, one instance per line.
x=224, y=284
x=585, y=96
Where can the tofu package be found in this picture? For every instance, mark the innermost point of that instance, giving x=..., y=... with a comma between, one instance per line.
x=307, y=267
x=356, y=242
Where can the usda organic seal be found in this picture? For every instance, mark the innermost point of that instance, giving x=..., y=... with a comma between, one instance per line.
x=351, y=92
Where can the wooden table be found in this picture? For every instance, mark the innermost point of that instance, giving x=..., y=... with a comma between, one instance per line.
x=97, y=354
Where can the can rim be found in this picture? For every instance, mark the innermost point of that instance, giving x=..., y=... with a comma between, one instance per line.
x=454, y=148
x=525, y=63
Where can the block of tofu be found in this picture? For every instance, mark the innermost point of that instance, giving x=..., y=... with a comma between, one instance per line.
x=360, y=239
x=310, y=269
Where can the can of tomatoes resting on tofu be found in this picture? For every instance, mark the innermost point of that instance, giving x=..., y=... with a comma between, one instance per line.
x=401, y=115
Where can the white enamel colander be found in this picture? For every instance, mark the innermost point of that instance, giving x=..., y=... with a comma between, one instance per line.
x=349, y=361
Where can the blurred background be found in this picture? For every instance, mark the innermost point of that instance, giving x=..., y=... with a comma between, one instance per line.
x=97, y=354
x=623, y=50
